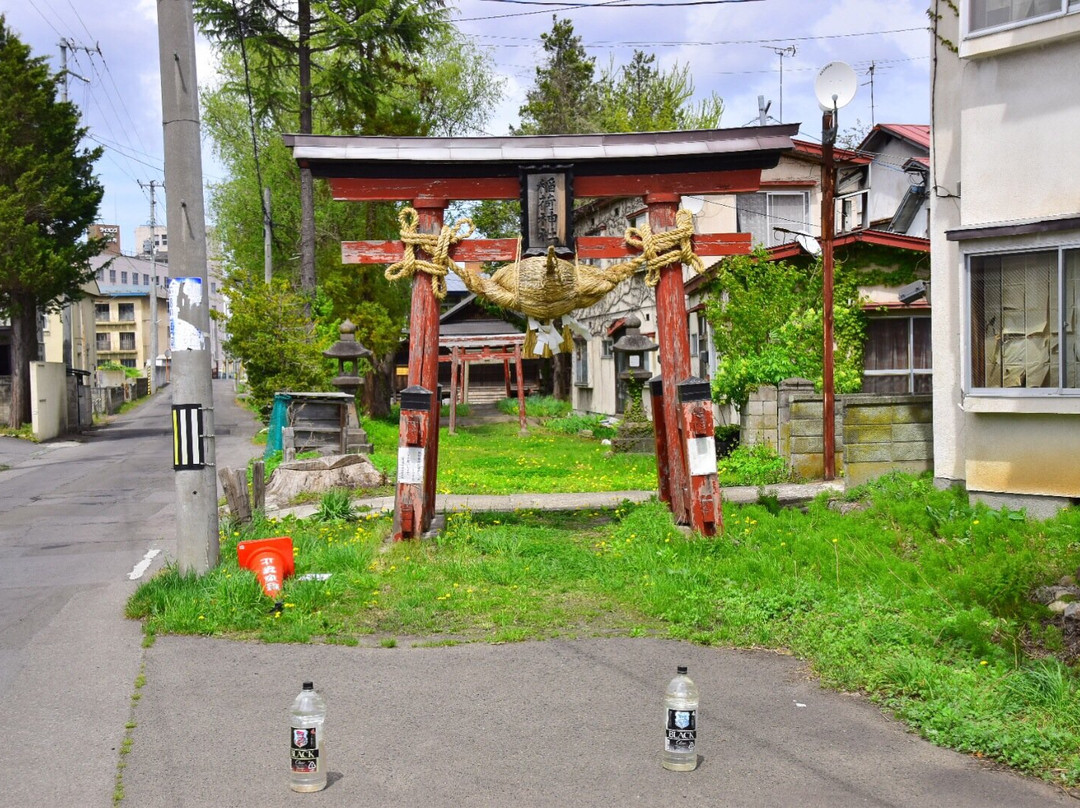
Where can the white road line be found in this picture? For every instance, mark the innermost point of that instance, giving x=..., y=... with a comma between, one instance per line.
x=141, y=567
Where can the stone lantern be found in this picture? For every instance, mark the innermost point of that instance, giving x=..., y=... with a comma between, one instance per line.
x=348, y=352
x=634, y=433
x=634, y=346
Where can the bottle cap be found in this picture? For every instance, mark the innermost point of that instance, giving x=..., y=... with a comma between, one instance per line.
x=681, y=670
x=309, y=686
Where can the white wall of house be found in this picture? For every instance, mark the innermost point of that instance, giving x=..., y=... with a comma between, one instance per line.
x=890, y=184
x=1004, y=109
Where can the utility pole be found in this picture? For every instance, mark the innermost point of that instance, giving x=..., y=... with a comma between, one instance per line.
x=153, y=297
x=65, y=316
x=197, y=543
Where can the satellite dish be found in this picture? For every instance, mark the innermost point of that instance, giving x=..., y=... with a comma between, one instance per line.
x=835, y=86
x=808, y=243
x=694, y=204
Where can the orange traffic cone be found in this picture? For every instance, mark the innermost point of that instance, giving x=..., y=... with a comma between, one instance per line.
x=270, y=559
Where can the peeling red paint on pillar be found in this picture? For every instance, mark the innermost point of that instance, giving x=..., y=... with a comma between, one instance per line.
x=695, y=404
x=673, y=335
x=414, y=501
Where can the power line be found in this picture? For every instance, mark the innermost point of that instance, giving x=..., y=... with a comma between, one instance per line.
x=619, y=3
x=530, y=42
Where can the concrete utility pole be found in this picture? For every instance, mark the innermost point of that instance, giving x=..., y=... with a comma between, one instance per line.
x=65, y=316
x=197, y=543
x=153, y=295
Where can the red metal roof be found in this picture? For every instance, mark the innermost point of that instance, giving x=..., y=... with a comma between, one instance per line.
x=882, y=237
x=843, y=155
x=916, y=133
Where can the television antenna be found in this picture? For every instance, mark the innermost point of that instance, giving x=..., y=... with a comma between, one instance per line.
x=781, y=52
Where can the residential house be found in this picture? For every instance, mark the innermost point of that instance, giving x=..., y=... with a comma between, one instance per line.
x=1006, y=250
x=881, y=224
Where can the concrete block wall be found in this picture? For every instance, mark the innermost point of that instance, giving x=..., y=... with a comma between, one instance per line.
x=875, y=434
x=758, y=419
x=887, y=433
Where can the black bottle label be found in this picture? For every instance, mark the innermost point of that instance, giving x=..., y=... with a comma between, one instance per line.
x=304, y=750
x=681, y=730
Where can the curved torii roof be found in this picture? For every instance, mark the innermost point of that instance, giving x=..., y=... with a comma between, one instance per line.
x=491, y=166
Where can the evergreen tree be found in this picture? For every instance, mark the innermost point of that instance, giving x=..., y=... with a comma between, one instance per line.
x=48, y=197
x=565, y=98
x=640, y=98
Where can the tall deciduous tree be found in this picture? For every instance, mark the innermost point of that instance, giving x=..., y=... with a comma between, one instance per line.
x=446, y=89
x=48, y=197
x=352, y=51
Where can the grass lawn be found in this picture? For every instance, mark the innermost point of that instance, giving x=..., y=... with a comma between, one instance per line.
x=494, y=459
x=915, y=598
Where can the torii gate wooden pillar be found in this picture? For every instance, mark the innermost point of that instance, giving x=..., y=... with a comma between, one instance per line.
x=429, y=172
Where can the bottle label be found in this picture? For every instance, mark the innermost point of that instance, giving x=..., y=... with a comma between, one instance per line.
x=304, y=750
x=681, y=731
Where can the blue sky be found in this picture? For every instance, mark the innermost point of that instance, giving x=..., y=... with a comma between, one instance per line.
x=732, y=48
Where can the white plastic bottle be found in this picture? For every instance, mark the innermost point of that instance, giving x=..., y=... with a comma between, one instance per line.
x=307, y=742
x=680, y=723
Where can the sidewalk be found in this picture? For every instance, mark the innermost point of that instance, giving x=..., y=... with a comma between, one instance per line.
x=786, y=494
x=557, y=723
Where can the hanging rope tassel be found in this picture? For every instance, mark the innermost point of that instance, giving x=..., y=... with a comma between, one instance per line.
x=437, y=245
x=658, y=250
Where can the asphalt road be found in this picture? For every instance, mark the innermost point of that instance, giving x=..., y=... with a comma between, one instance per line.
x=76, y=517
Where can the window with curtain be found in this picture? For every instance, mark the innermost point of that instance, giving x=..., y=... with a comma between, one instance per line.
x=1024, y=320
x=897, y=356
x=758, y=214
x=581, y=363
x=984, y=14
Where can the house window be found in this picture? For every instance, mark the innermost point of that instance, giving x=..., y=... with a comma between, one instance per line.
x=704, y=369
x=759, y=214
x=581, y=363
x=127, y=340
x=101, y=312
x=607, y=348
x=126, y=312
x=128, y=363
x=145, y=279
x=123, y=277
x=1025, y=311
x=112, y=276
x=986, y=14
x=897, y=357
x=104, y=342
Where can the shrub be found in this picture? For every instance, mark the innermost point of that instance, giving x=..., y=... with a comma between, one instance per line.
x=753, y=465
x=535, y=406
x=575, y=422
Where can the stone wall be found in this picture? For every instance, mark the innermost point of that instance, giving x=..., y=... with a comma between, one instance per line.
x=874, y=433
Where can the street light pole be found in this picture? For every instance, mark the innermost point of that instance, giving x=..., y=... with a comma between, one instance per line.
x=834, y=87
x=828, y=215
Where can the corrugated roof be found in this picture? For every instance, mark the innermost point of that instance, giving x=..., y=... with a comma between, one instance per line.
x=918, y=134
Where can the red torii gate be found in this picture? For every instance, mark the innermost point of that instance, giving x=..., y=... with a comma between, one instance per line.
x=660, y=167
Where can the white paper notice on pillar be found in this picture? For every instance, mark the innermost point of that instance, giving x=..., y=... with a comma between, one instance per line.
x=185, y=304
x=410, y=465
x=702, y=455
